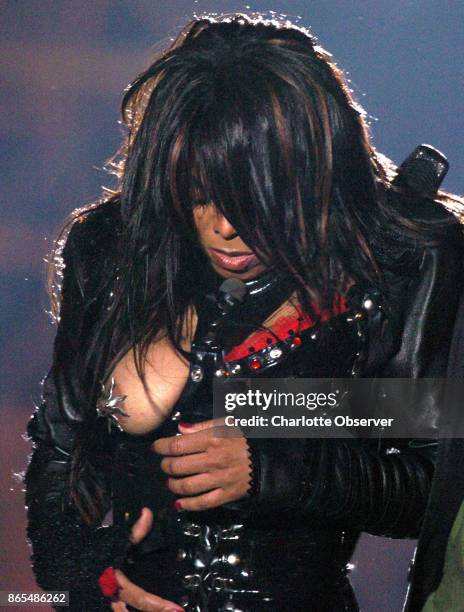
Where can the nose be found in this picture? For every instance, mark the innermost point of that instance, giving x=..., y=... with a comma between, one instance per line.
x=223, y=227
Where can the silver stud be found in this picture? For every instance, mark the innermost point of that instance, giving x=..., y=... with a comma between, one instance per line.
x=197, y=373
x=233, y=559
x=236, y=368
x=192, y=529
x=198, y=563
x=368, y=304
x=220, y=373
x=275, y=353
x=191, y=581
x=230, y=533
x=181, y=555
x=219, y=583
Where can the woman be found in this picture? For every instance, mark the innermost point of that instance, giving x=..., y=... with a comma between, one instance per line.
x=246, y=158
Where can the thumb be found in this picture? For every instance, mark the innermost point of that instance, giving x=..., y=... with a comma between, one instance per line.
x=186, y=428
x=142, y=526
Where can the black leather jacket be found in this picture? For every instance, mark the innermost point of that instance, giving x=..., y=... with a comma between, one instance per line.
x=288, y=545
x=446, y=495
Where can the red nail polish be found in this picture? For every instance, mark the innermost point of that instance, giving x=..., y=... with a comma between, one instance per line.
x=186, y=425
x=178, y=506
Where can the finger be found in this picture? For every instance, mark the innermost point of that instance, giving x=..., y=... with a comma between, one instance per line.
x=194, y=427
x=192, y=485
x=217, y=427
x=138, y=598
x=142, y=526
x=197, y=463
x=212, y=499
x=183, y=445
x=119, y=606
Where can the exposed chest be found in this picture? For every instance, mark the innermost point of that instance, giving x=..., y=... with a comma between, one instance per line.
x=287, y=344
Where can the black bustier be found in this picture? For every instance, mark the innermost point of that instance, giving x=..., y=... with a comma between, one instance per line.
x=232, y=558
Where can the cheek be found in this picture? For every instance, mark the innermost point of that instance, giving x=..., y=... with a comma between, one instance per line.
x=200, y=221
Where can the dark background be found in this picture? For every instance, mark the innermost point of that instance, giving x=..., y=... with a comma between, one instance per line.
x=64, y=65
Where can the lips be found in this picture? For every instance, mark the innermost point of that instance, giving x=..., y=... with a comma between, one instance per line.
x=238, y=261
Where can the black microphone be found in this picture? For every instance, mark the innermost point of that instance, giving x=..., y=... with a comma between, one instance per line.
x=232, y=292
x=422, y=171
x=207, y=348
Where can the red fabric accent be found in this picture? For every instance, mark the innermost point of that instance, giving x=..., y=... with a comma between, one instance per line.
x=283, y=327
x=109, y=585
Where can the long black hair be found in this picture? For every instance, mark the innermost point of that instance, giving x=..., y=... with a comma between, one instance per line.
x=253, y=116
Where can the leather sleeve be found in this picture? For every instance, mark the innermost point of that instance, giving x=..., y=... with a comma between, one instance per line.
x=67, y=554
x=374, y=485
